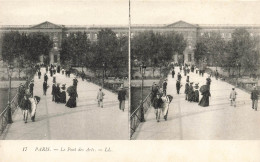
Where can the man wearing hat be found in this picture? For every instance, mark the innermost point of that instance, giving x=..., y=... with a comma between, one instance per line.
x=53, y=92
x=173, y=73
x=45, y=78
x=45, y=86
x=254, y=98
x=178, y=86
x=121, y=98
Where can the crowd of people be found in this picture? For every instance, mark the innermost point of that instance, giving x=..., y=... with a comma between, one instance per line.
x=26, y=101
x=160, y=99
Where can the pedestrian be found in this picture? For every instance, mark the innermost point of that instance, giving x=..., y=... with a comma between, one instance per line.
x=54, y=79
x=165, y=105
x=34, y=102
x=31, y=86
x=121, y=98
x=186, y=91
x=196, y=93
x=25, y=106
x=208, y=81
x=53, y=92
x=190, y=92
x=179, y=76
x=75, y=82
x=232, y=97
x=188, y=78
x=178, y=86
x=45, y=87
x=216, y=74
x=185, y=71
x=57, y=93
x=100, y=97
x=58, y=69
x=72, y=102
x=173, y=73
x=39, y=74
x=254, y=98
x=154, y=91
x=164, y=86
x=157, y=104
x=63, y=94
x=180, y=68
x=45, y=78
x=51, y=72
x=204, y=102
x=46, y=68
x=21, y=93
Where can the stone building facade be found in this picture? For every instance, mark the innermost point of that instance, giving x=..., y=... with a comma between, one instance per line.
x=191, y=32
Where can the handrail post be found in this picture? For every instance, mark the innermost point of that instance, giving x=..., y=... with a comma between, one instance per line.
x=142, y=102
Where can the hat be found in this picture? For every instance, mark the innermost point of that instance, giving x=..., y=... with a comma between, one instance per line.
x=191, y=82
x=196, y=86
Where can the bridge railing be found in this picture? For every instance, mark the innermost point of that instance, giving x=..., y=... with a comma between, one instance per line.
x=4, y=113
x=135, y=117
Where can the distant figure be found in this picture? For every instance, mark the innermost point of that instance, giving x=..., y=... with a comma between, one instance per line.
x=173, y=73
x=53, y=92
x=216, y=74
x=58, y=69
x=186, y=90
x=45, y=87
x=232, y=97
x=100, y=97
x=39, y=74
x=179, y=76
x=254, y=98
x=54, y=79
x=208, y=81
x=45, y=78
x=75, y=82
x=178, y=86
x=121, y=98
x=57, y=93
x=164, y=86
x=165, y=105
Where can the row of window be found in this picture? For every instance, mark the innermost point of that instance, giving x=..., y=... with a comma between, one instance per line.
x=229, y=35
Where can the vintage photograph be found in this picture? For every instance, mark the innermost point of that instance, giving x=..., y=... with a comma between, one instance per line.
x=64, y=70
x=195, y=70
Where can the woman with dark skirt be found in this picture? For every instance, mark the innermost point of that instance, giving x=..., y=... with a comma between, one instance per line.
x=57, y=93
x=63, y=94
x=204, y=102
x=73, y=95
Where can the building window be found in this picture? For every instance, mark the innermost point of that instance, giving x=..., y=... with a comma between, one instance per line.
x=189, y=57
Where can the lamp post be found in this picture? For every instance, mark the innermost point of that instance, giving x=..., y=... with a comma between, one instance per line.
x=103, y=76
x=9, y=111
x=142, y=70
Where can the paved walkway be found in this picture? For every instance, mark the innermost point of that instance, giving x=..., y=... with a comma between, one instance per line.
x=58, y=122
x=189, y=121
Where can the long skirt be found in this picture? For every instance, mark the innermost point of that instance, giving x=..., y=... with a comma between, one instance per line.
x=204, y=102
x=71, y=102
x=63, y=97
x=196, y=96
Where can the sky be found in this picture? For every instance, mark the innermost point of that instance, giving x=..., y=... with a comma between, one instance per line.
x=111, y=12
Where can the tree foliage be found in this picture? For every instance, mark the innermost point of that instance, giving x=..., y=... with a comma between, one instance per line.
x=157, y=49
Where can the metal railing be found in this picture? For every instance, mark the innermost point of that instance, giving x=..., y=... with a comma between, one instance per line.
x=4, y=113
x=135, y=117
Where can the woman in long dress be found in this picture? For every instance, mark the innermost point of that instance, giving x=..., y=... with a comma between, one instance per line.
x=204, y=102
x=63, y=94
x=165, y=105
x=73, y=95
